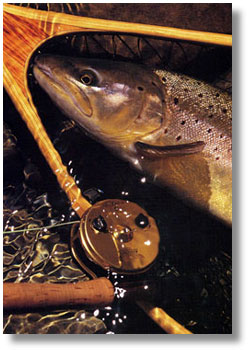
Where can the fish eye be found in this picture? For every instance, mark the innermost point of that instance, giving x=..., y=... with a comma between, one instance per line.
x=87, y=78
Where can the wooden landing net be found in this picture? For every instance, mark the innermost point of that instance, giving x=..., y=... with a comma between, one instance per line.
x=24, y=31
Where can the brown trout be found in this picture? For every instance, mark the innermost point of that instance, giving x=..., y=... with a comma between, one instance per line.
x=175, y=129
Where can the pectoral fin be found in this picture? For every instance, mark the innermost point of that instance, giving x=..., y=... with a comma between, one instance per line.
x=153, y=151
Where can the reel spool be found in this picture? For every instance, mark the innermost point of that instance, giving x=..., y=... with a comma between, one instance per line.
x=118, y=235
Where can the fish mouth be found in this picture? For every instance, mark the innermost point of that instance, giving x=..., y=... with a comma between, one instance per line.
x=45, y=79
x=59, y=91
x=42, y=67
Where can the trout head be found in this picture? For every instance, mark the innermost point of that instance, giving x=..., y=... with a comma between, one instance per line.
x=112, y=100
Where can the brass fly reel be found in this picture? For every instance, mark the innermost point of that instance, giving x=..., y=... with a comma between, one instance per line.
x=118, y=235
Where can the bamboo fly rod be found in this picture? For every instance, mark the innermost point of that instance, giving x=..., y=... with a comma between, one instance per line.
x=24, y=29
x=98, y=292
x=120, y=26
x=165, y=321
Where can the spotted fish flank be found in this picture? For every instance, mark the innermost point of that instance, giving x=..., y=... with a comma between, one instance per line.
x=197, y=111
x=173, y=128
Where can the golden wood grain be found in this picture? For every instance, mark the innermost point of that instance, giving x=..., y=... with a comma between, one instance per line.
x=120, y=26
x=21, y=36
x=166, y=322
